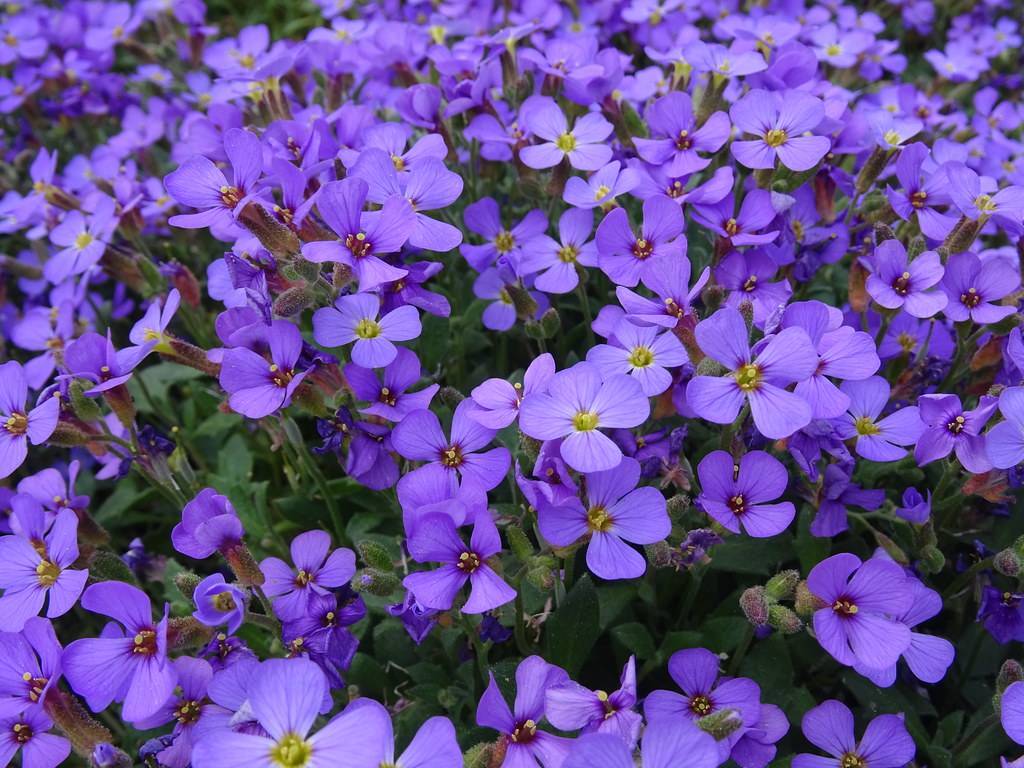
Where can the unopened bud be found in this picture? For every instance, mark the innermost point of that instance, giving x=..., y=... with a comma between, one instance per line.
x=883, y=232
x=84, y=406
x=542, y=578
x=450, y=396
x=244, y=566
x=375, y=555
x=721, y=724
x=106, y=755
x=709, y=367
x=873, y=166
x=659, y=554
x=272, y=234
x=677, y=506
x=187, y=632
x=784, y=620
x=1007, y=562
x=916, y=248
x=342, y=275
x=891, y=548
x=75, y=722
x=1011, y=672
x=193, y=356
x=293, y=301
x=525, y=304
x=519, y=543
x=754, y=603
x=478, y=756
x=932, y=560
x=804, y=601
x=120, y=401
x=379, y=583
x=105, y=565
x=551, y=323
x=782, y=585
x=67, y=435
x=186, y=582
x=530, y=446
x=712, y=296
x=746, y=309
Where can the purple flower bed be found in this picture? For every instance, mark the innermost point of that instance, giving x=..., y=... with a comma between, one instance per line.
x=519, y=385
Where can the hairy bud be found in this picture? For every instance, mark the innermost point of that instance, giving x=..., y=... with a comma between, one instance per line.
x=721, y=724
x=804, y=601
x=244, y=566
x=519, y=543
x=186, y=582
x=379, y=583
x=755, y=605
x=784, y=620
x=1011, y=672
x=782, y=585
x=375, y=555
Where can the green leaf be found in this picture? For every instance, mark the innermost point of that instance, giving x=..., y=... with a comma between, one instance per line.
x=574, y=627
x=636, y=638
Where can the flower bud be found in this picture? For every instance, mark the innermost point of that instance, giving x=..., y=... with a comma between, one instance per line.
x=709, y=367
x=187, y=632
x=375, y=555
x=194, y=357
x=293, y=301
x=873, y=166
x=74, y=721
x=712, y=296
x=932, y=559
x=543, y=578
x=1009, y=673
x=106, y=755
x=755, y=605
x=784, y=620
x=721, y=724
x=186, y=582
x=120, y=401
x=450, y=396
x=243, y=565
x=891, y=548
x=660, y=554
x=804, y=601
x=83, y=406
x=530, y=446
x=275, y=237
x=782, y=585
x=916, y=248
x=746, y=309
x=1007, y=562
x=551, y=323
x=883, y=232
x=105, y=565
x=525, y=304
x=379, y=583
x=478, y=756
x=519, y=543
x=677, y=506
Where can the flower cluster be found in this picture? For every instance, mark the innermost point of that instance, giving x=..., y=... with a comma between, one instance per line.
x=511, y=385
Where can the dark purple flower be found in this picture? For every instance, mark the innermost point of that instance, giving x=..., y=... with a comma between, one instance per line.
x=218, y=602
x=736, y=493
x=898, y=283
x=627, y=258
x=208, y=524
x=949, y=428
x=315, y=572
x=829, y=726
x=973, y=286
x=676, y=137
x=258, y=388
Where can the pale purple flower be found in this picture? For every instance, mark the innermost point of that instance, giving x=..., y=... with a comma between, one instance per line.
x=829, y=726
x=896, y=282
x=356, y=317
x=584, y=144
x=644, y=352
x=949, y=427
x=780, y=121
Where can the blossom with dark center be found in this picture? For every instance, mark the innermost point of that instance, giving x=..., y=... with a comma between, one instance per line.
x=735, y=493
x=218, y=602
x=896, y=282
x=829, y=726
x=949, y=427
x=628, y=258
x=388, y=397
x=257, y=387
x=854, y=623
x=676, y=137
x=316, y=570
x=436, y=540
x=571, y=707
x=973, y=286
x=18, y=424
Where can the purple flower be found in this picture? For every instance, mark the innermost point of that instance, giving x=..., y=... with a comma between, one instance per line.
x=46, y=331
x=756, y=213
x=677, y=139
x=128, y=663
x=29, y=732
x=34, y=572
x=948, y=428
x=572, y=707
x=670, y=281
x=665, y=743
x=923, y=191
x=219, y=603
x=735, y=494
x=558, y=261
x=94, y=357
x=584, y=144
x=208, y=524
x=200, y=184
x=855, y=624
x=628, y=259
x=363, y=237
x=1011, y=711
x=747, y=275
x=355, y=318
x=436, y=539
x=927, y=656
x=153, y=325
x=1005, y=441
x=498, y=401
x=577, y=405
x=916, y=508
x=843, y=353
x=602, y=187
x=388, y=398
x=837, y=492
x=1002, y=614
x=780, y=122
x=981, y=202
x=283, y=699
x=18, y=426
x=258, y=388
x=829, y=726
x=82, y=241
x=972, y=286
x=877, y=439
x=419, y=437
x=525, y=744
x=641, y=352
x=788, y=356
x=30, y=668
x=315, y=572
x=898, y=283
x=616, y=512
x=484, y=218
x=188, y=707
x=704, y=692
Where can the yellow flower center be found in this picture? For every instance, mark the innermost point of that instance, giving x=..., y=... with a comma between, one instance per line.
x=641, y=357
x=566, y=142
x=568, y=253
x=584, y=421
x=504, y=242
x=598, y=519
x=776, y=137
x=47, y=573
x=602, y=191
x=985, y=204
x=16, y=424
x=892, y=138
x=144, y=643
x=367, y=328
x=468, y=562
x=83, y=240
x=844, y=606
x=291, y=752
x=833, y=50
x=748, y=377
x=865, y=426
x=224, y=602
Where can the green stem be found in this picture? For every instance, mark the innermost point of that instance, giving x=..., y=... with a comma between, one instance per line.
x=588, y=318
x=519, y=628
x=737, y=658
x=478, y=646
x=974, y=735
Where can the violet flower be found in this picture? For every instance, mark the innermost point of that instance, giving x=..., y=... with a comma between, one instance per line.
x=316, y=570
x=436, y=539
x=607, y=183
x=389, y=397
x=877, y=439
x=787, y=357
x=665, y=743
x=356, y=318
x=257, y=388
x=735, y=493
x=571, y=707
x=498, y=401
x=626, y=258
x=584, y=144
x=29, y=732
x=949, y=428
x=83, y=241
x=577, y=405
x=898, y=283
x=973, y=286
x=855, y=624
x=208, y=524
x=829, y=726
x=1005, y=441
x=780, y=122
x=525, y=743
x=18, y=425
x=218, y=602
x=642, y=352
x=127, y=663
x=557, y=261
x=677, y=139
x=616, y=512
x=94, y=358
